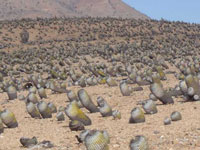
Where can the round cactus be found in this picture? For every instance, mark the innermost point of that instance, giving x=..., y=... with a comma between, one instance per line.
x=9, y=119
x=137, y=116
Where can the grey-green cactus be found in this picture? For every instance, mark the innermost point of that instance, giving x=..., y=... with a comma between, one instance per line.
x=9, y=119
x=137, y=116
x=33, y=110
x=12, y=92
x=44, y=110
x=86, y=101
x=97, y=140
x=75, y=113
x=139, y=143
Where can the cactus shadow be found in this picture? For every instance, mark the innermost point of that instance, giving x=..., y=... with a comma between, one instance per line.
x=161, y=104
x=184, y=101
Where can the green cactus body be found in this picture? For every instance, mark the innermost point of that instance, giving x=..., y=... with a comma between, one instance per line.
x=111, y=82
x=44, y=110
x=86, y=101
x=32, y=110
x=125, y=89
x=137, y=116
x=161, y=73
x=161, y=94
x=75, y=113
x=192, y=81
x=139, y=143
x=12, y=93
x=42, y=93
x=105, y=109
x=9, y=119
x=97, y=141
x=116, y=114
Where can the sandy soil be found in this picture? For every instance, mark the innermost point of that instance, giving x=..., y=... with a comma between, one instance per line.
x=180, y=135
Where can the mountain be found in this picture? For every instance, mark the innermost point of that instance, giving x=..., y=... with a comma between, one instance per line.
x=17, y=9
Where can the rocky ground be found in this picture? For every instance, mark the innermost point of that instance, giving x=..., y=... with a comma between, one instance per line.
x=90, y=41
x=183, y=134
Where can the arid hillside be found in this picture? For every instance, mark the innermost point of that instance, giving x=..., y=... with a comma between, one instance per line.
x=16, y=9
x=172, y=37
x=80, y=83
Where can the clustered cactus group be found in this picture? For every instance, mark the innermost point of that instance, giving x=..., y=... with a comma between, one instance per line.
x=57, y=65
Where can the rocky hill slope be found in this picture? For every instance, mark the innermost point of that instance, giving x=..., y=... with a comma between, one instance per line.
x=17, y=9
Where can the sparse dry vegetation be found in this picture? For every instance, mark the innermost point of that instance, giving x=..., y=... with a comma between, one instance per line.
x=119, y=78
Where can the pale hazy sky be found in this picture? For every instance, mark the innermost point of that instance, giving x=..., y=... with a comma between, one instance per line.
x=175, y=10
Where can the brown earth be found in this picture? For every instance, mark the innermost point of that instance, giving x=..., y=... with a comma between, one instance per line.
x=180, y=135
x=16, y=9
x=176, y=38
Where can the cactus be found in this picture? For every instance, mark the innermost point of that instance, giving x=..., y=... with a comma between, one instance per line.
x=139, y=143
x=33, y=89
x=28, y=142
x=76, y=125
x=83, y=135
x=60, y=116
x=167, y=121
x=82, y=82
x=161, y=73
x=133, y=76
x=150, y=107
x=32, y=98
x=42, y=93
x=57, y=89
x=175, y=116
x=116, y=114
x=9, y=119
x=75, y=113
x=12, y=92
x=32, y=110
x=152, y=97
x=193, y=87
x=137, y=116
x=101, y=73
x=125, y=90
x=44, y=110
x=111, y=82
x=97, y=140
x=72, y=96
x=161, y=94
x=24, y=36
x=104, y=108
x=52, y=107
x=86, y=101
x=140, y=81
x=101, y=80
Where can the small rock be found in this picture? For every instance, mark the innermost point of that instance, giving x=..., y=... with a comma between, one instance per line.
x=156, y=132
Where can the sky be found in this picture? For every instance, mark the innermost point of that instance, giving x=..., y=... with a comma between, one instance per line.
x=173, y=10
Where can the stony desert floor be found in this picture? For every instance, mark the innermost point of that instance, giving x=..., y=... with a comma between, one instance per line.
x=180, y=135
x=135, y=42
